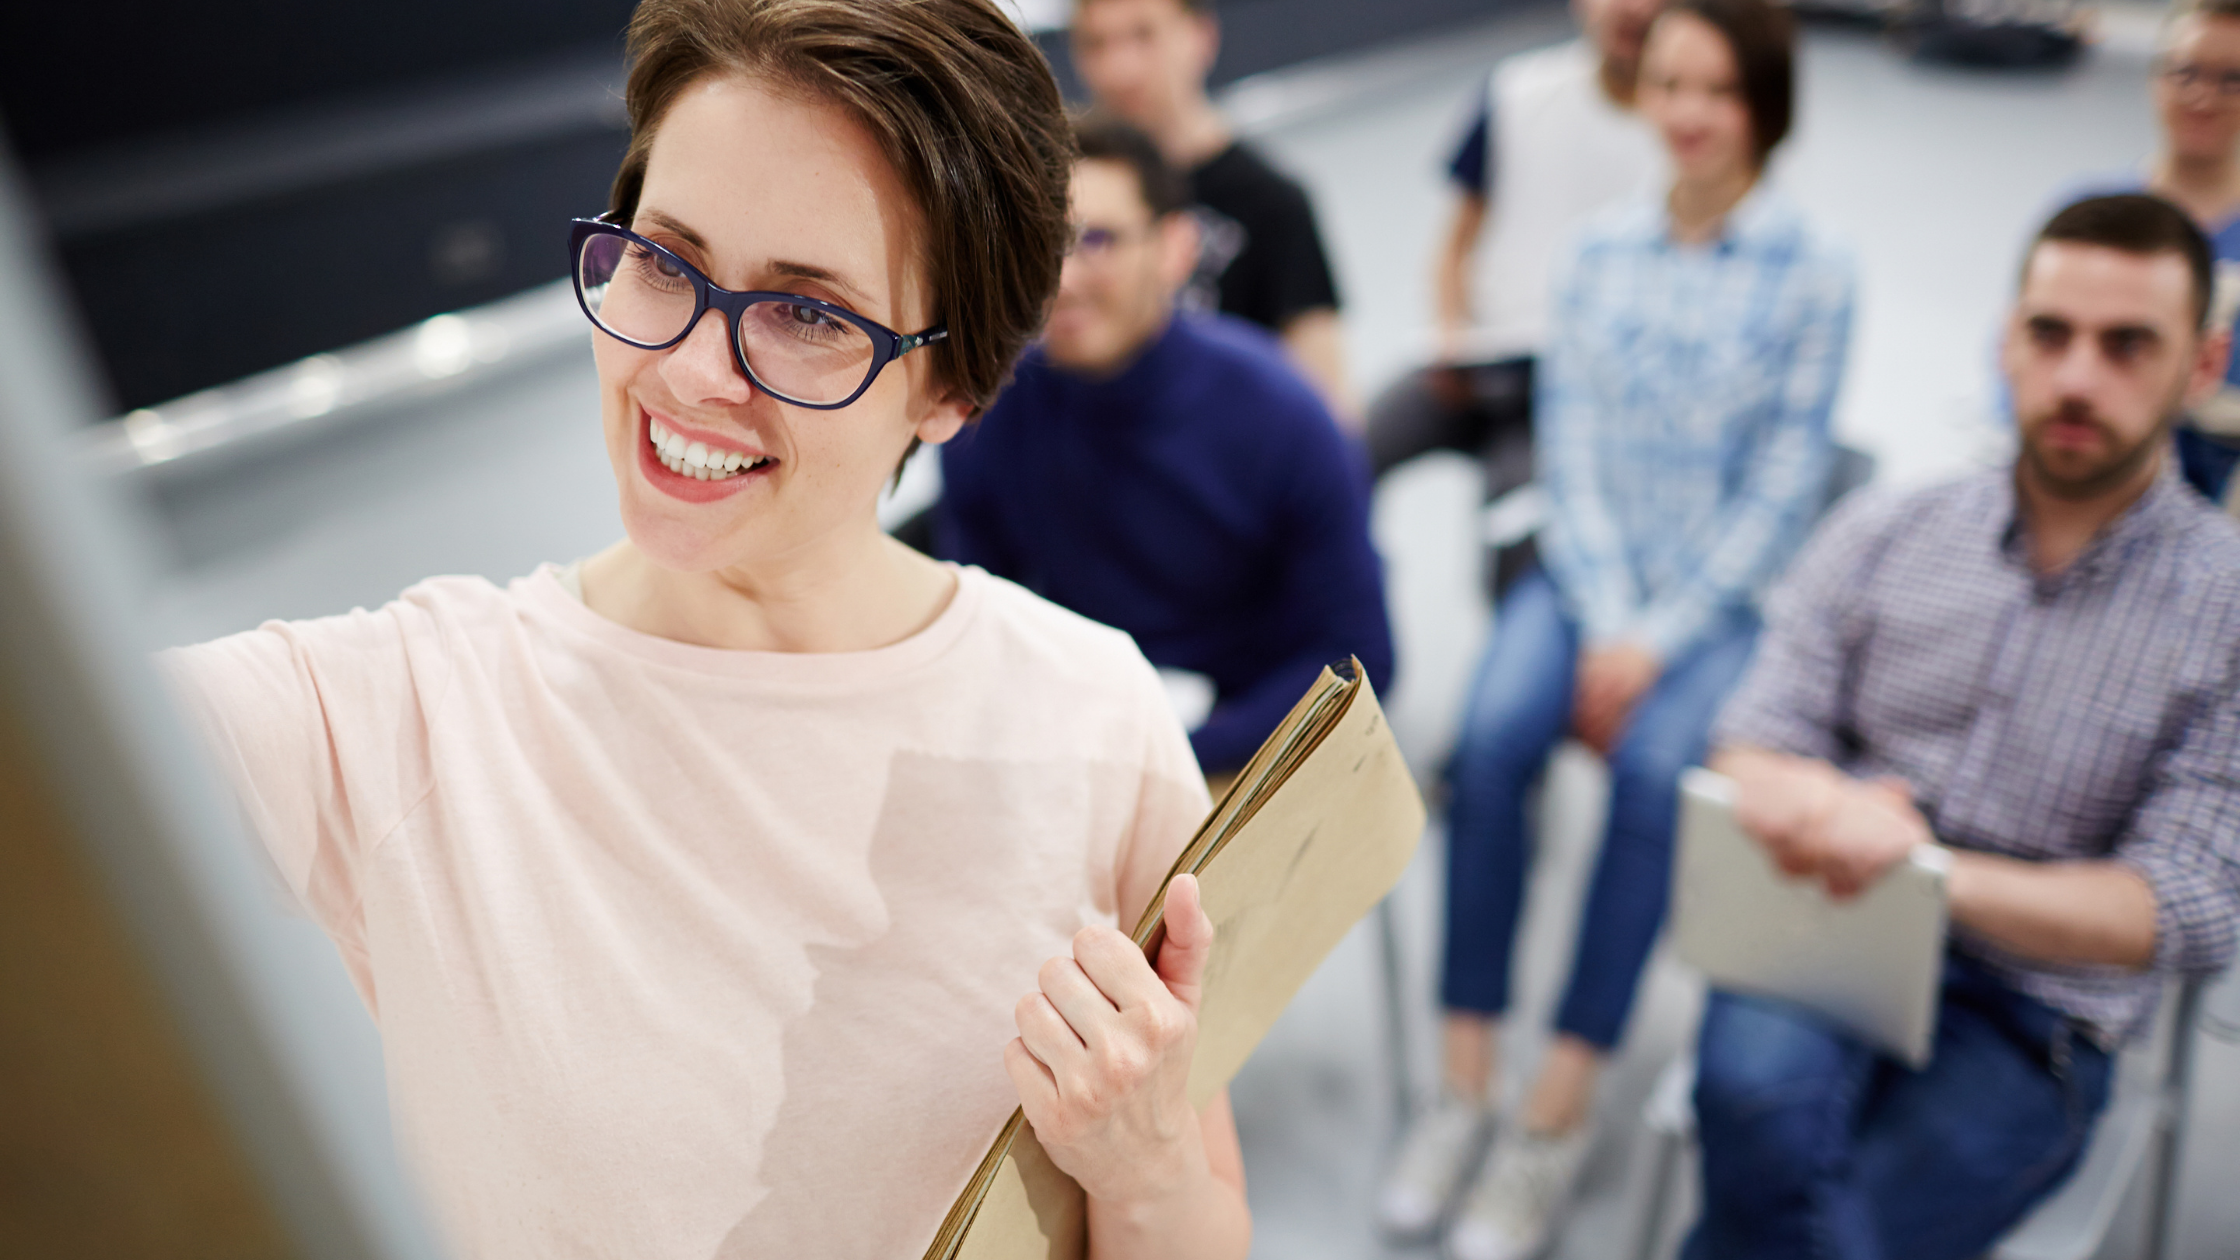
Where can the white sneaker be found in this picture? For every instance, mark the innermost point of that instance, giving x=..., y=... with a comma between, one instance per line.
x=1437, y=1153
x=1511, y=1213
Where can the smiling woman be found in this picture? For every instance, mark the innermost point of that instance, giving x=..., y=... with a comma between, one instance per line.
x=698, y=887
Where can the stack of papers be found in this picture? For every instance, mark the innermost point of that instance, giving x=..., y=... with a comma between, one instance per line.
x=1314, y=832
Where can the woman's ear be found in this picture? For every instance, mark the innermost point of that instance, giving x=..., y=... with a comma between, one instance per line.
x=944, y=418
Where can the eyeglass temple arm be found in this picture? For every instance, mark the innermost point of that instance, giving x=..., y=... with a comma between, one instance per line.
x=911, y=341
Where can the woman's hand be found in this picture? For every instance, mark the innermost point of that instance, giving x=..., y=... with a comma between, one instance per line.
x=1102, y=1059
x=1611, y=680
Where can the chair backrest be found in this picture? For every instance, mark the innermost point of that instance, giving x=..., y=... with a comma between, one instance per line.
x=1852, y=469
x=2141, y=1131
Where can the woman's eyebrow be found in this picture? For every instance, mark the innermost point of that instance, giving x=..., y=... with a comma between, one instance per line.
x=677, y=226
x=822, y=275
x=854, y=294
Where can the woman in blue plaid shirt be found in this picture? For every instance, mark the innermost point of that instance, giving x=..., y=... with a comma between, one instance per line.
x=1682, y=418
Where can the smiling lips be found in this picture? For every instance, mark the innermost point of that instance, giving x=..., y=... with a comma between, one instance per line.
x=698, y=460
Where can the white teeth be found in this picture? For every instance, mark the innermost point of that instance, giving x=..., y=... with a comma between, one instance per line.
x=697, y=459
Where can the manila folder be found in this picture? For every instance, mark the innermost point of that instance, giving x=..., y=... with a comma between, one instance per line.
x=1316, y=829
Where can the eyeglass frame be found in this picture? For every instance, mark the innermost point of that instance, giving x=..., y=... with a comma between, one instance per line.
x=2186, y=76
x=1079, y=244
x=887, y=344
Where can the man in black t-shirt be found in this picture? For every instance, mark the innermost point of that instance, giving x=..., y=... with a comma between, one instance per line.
x=1262, y=260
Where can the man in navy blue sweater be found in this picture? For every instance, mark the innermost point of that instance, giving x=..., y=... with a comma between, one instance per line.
x=1171, y=475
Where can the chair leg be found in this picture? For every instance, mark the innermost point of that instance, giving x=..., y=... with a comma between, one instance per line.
x=1395, y=1011
x=2177, y=1099
x=1662, y=1159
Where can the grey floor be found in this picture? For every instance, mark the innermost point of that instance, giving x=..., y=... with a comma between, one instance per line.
x=1933, y=175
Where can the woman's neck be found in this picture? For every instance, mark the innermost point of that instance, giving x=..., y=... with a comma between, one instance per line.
x=852, y=593
x=2208, y=188
x=1699, y=206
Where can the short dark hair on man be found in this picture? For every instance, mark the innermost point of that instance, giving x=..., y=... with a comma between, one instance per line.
x=1763, y=36
x=2136, y=223
x=1104, y=138
x=1203, y=8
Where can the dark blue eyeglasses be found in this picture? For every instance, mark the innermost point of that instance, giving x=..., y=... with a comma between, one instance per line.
x=799, y=350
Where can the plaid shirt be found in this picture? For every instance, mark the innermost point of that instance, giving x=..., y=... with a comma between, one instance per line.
x=1682, y=412
x=2094, y=713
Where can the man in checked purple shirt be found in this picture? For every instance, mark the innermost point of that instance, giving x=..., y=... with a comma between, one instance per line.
x=2037, y=668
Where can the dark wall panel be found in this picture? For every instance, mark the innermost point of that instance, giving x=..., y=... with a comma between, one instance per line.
x=183, y=304
x=78, y=75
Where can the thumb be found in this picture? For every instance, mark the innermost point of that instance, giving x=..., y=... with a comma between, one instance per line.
x=1189, y=943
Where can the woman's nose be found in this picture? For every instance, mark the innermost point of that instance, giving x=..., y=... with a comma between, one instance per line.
x=703, y=368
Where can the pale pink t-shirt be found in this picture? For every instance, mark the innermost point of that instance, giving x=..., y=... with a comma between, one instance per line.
x=680, y=952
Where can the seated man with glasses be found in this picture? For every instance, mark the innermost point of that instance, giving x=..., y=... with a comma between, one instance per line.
x=2037, y=667
x=1171, y=474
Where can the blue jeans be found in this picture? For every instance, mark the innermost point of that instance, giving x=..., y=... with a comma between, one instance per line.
x=1520, y=709
x=1815, y=1145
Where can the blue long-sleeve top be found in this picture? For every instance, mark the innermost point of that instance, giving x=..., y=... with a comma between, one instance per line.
x=1682, y=413
x=1202, y=500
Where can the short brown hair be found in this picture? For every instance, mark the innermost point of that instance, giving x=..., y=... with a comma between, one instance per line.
x=960, y=101
x=2140, y=224
x=1102, y=137
x=1763, y=37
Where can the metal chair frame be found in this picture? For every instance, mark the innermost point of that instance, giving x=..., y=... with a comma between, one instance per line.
x=1669, y=1118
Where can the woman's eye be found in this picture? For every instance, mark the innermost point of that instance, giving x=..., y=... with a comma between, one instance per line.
x=807, y=316
x=655, y=264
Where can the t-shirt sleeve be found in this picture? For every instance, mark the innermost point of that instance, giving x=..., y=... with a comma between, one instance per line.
x=1285, y=268
x=1170, y=805
x=1471, y=167
x=321, y=728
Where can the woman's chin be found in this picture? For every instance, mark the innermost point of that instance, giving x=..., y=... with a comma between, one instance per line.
x=681, y=546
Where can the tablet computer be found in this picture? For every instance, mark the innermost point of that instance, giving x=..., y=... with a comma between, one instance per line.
x=1873, y=964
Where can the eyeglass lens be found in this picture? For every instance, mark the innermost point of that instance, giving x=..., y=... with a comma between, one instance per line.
x=2185, y=76
x=799, y=352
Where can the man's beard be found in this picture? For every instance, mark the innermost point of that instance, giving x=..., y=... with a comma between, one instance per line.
x=2101, y=476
